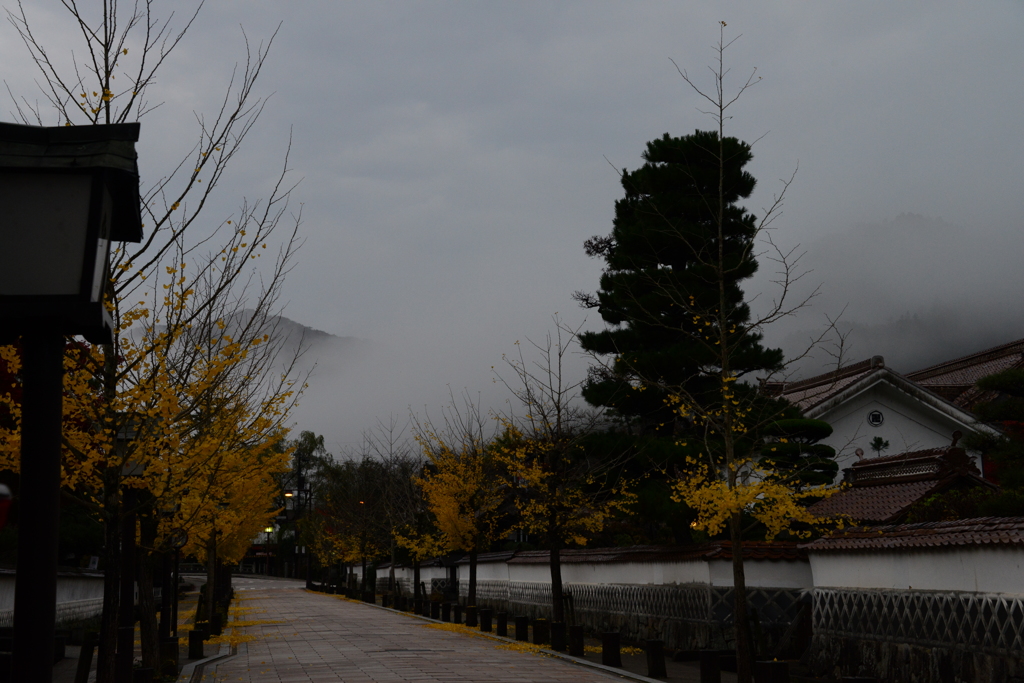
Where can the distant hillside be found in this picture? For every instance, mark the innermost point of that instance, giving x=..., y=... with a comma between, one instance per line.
x=294, y=335
x=916, y=290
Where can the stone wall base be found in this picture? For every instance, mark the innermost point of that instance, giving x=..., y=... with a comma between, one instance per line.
x=677, y=634
x=834, y=656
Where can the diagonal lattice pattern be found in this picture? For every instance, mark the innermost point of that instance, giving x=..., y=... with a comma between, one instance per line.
x=67, y=612
x=688, y=602
x=974, y=622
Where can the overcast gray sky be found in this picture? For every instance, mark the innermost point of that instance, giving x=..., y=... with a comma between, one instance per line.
x=456, y=155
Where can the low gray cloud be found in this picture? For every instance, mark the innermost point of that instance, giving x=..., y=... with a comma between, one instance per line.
x=917, y=290
x=455, y=156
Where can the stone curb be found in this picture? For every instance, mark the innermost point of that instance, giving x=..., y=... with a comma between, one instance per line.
x=189, y=671
x=620, y=673
x=193, y=669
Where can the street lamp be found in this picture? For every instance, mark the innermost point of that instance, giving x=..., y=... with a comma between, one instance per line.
x=65, y=193
x=268, y=532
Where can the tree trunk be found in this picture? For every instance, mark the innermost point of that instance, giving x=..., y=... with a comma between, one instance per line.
x=471, y=592
x=416, y=580
x=147, y=609
x=223, y=583
x=146, y=564
x=211, y=573
x=112, y=542
x=555, y=560
x=391, y=571
x=111, y=600
x=744, y=659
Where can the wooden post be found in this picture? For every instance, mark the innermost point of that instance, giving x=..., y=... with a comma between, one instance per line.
x=576, y=641
x=195, y=644
x=485, y=619
x=502, y=625
x=710, y=670
x=656, y=659
x=610, y=653
x=523, y=629
x=558, y=643
x=541, y=632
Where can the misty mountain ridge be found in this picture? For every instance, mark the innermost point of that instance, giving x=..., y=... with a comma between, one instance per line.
x=293, y=333
x=916, y=290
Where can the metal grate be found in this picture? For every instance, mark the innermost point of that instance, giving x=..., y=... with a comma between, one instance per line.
x=67, y=612
x=687, y=602
x=971, y=622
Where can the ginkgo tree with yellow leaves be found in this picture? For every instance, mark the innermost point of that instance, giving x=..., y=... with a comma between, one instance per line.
x=193, y=395
x=462, y=487
x=683, y=349
x=561, y=493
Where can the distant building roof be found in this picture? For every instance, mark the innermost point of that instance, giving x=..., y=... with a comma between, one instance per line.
x=983, y=531
x=955, y=379
x=883, y=489
x=810, y=392
x=497, y=556
x=715, y=550
x=817, y=396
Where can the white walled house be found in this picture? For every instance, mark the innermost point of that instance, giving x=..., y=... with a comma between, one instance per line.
x=867, y=400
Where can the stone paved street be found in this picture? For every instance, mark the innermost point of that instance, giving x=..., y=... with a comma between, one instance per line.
x=323, y=638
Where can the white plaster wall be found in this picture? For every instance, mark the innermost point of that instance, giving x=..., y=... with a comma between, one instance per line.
x=539, y=573
x=401, y=574
x=909, y=425
x=763, y=573
x=759, y=573
x=428, y=573
x=79, y=588
x=984, y=570
x=485, y=571
x=657, y=573
x=69, y=588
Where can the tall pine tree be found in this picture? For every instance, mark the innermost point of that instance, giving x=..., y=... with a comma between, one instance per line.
x=681, y=337
x=662, y=277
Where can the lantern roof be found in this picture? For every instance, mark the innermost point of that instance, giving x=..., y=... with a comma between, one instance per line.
x=109, y=148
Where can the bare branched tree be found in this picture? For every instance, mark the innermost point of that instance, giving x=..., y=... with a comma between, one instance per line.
x=562, y=492
x=401, y=501
x=191, y=291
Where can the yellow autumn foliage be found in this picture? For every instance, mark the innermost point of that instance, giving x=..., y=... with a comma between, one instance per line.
x=719, y=489
x=182, y=412
x=776, y=505
x=462, y=494
x=553, y=497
